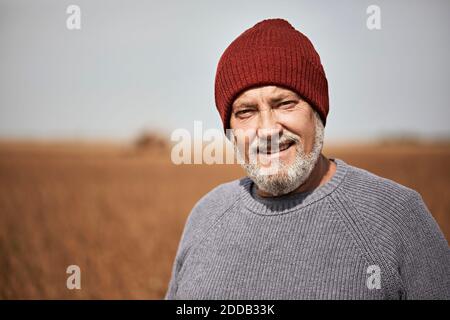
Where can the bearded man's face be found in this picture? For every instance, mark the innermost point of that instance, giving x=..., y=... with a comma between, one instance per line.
x=278, y=137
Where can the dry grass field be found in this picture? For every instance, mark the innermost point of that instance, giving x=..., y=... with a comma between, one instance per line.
x=118, y=212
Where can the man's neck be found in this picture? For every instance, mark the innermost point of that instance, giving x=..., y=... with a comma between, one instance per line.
x=323, y=171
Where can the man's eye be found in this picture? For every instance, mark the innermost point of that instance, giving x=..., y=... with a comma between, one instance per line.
x=244, y=113
x=287, y=104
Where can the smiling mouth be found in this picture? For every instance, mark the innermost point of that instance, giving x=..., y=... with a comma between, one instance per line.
x=281, y=147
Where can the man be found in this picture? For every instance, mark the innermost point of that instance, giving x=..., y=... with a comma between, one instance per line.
x=300, y=226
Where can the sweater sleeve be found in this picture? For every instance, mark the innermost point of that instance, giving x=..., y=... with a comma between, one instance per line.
x=187, y=237
x=171, y=290
x=195, y=223
x=425, y=267
x=179, y=258
x=205, y=213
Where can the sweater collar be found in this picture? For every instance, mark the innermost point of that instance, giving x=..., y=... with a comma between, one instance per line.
x=287, y=203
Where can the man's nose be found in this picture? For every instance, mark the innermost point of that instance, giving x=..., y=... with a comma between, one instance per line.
x=268, y=128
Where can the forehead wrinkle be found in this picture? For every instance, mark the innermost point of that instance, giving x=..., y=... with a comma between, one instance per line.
x=276, y=94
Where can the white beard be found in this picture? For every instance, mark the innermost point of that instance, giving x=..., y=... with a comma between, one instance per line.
x=287, y=177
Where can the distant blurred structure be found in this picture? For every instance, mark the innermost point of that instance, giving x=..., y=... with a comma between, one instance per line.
x=150, y=140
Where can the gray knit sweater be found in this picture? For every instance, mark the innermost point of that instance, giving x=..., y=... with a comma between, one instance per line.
x=359, y=236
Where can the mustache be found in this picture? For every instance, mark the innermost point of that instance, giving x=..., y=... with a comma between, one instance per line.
x=266, y=144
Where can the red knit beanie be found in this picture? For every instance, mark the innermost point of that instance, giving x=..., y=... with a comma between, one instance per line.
x=272, y=52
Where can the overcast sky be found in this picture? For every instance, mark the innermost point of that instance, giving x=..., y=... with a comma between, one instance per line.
x=151, y=64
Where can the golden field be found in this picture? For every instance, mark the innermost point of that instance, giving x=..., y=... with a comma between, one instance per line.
x=118, y=211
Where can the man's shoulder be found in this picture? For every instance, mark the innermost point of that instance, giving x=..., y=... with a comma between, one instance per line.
x=373, y=187
x=213, y=205
x=384, y=203
x=220, y=197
